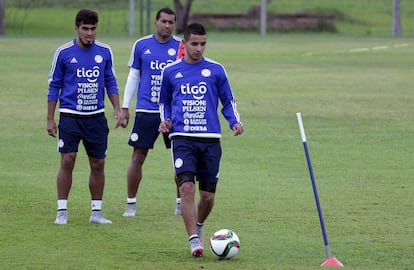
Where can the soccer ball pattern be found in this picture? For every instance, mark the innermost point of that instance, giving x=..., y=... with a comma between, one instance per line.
x=224, y=244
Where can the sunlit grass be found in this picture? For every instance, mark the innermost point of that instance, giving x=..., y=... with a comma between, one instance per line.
x=357, y=111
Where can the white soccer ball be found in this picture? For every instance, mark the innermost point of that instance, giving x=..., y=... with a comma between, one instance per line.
x=224, y=244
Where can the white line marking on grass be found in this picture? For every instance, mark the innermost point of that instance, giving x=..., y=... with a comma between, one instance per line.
x=358, y=50
x=400, y=45
x=380, y=48
x=308, y=54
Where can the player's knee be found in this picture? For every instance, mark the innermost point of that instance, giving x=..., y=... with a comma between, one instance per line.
x=97, y=165
x=185, y=177
x=68, y=160
x=138, y=156
x=207, y=197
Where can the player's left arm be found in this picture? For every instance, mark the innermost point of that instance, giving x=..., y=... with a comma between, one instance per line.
x=114, y=98
x=164, y=102
x=112, y=90
x=229, y=103
x=51, y=123
x=55, y=81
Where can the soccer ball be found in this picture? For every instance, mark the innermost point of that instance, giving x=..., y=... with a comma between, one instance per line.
x=224, y=244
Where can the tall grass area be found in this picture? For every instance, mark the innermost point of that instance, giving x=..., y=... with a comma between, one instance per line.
x=353, y=17
x=356, y=100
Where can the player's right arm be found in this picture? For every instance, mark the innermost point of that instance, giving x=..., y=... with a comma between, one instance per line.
x=133, y=79
x=55, y=81
x=51, y=123
x=130, y=89
x=164, y=102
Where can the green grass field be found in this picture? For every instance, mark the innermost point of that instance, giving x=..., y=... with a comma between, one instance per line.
x=356, y=99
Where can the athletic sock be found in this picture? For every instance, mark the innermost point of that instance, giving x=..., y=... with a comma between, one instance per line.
x=132, y=200
x=192, y=237
x=62, y=205
x=96, y=205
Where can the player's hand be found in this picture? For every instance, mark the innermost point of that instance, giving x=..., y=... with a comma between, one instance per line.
x=52, y=128
x=238, y=129
x=119, y=118
x=125, y=117
x=165, y=126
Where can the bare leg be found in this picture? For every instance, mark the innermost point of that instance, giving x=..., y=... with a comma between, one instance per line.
x=134, y=174
x=97, y=178
x=177, y=210
x=96, y=187
x=189, y=212
x=205, y=205
x=178, y=186
x=64, y=177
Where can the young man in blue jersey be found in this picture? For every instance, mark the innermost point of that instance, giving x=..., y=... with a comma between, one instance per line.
x=149, y=56
x=190, y=93
x=81, y=71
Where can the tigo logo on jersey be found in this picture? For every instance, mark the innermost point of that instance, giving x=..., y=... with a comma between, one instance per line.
x=198, y=91
x=90, y=74
x=157, y=65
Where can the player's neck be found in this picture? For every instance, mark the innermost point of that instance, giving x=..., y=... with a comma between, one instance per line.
x=162, y=39
x=82, y=44
x=190, y=60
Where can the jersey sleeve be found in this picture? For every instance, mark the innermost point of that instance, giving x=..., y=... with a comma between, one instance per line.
x=131, y=86
x=165, y=97
x=227, y=99
x=134, y=59
x=111, y=84
x=55, y=79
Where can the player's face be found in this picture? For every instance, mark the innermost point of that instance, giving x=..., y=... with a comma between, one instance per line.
x=194, y=48
x=86, y=34
x=165, y=26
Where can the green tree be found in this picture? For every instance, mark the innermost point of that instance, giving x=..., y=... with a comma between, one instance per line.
x=2, y=17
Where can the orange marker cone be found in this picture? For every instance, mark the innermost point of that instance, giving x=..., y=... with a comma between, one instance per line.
x=332, y=262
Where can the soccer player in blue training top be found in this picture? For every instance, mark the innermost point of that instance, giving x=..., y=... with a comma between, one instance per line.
x=81, y=71
x=149, y=56
x=190, y=92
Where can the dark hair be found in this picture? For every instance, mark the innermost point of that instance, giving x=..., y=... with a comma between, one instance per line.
x=86, y=16
x=194, y=29
x=165, y=10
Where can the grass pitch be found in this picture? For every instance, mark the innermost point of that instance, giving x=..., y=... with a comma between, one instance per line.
x=356, y=100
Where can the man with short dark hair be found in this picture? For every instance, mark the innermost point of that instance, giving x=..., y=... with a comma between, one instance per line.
x=82, y=70
x=190, y=93
x=149, y=56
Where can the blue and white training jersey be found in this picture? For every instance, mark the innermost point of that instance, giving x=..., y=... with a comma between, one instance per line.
x=79, y=76
x=189, y=97
x=150, y=57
